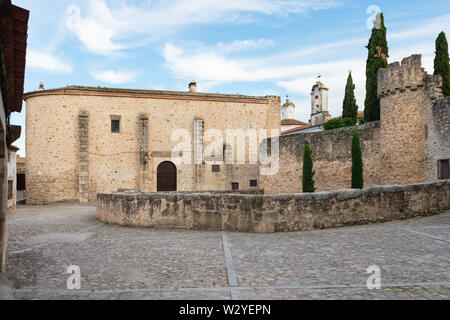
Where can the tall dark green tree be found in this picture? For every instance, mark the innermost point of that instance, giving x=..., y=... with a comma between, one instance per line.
x=357, y=163
x=308, y=173
x=377, y=59
x=442, y=62
x=350, y=108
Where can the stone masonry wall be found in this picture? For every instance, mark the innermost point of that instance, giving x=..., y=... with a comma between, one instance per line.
x=437, y=145
x=115, y=159
x=406, y=94
x=332, y=160
x=266, y=214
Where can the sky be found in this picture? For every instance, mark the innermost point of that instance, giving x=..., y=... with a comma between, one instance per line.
x=251, y=47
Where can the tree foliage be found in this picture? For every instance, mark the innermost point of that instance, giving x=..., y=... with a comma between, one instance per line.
x=340, y=123
x=357, y=162
x=442, y=62
x=308, y=173
x=377, y=59
x=350, y=108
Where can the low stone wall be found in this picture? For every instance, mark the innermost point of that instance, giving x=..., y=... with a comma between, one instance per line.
x=281, y=213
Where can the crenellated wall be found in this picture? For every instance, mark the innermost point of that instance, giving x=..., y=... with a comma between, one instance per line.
x=407, y=95
x=403, y=148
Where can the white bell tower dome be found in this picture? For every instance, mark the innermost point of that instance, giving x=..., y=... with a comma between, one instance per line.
x=288, y=110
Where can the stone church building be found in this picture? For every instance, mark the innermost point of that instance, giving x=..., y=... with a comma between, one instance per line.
x=81, y=141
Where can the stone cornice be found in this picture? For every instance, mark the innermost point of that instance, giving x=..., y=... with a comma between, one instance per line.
x=149, y=94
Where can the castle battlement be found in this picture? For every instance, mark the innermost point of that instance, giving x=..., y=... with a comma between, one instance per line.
x=399, y=77
x=408, y=75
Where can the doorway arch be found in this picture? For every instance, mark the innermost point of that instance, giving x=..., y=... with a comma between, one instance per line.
x=167, y=177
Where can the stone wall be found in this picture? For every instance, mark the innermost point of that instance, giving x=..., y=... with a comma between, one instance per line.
x=60, y=156
x=266, y=214
x=437, y=142
x=402, y=148
x=406, y=94
x=332, y=160
x=3, y=187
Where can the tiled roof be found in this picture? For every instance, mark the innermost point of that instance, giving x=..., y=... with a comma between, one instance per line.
x=293, y=122
x=297, y=129
x=307, y=126
x=13, y=35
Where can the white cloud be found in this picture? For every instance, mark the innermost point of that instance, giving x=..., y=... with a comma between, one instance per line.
x=287, y=71
x=115, y=77
x=245, y=45
x=107, y=28
x=430, y=29
x=211, y=66
x=46, y=61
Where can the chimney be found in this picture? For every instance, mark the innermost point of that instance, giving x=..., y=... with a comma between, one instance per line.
x=41, y=86
x=193, y=87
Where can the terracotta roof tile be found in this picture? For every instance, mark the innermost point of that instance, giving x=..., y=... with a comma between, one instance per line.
x=293, y=122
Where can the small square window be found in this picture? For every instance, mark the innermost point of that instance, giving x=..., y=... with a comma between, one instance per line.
x=115, y=126
x=253, y=183
x=235, y=186
x=443, y=169
x=216, y=169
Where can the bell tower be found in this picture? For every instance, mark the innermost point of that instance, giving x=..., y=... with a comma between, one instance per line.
x=288, y=110
x=319, y=105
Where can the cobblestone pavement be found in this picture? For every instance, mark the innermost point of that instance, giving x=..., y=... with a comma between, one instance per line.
x=122, y=263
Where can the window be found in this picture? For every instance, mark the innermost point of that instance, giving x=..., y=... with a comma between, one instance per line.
x=10, y=190
x=115, y=124
x=443, y=170
x=21, y=182
x=235, y=186
x=253, y=183
x=215, y=169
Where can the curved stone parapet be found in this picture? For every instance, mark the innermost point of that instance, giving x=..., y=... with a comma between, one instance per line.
x=267, y=214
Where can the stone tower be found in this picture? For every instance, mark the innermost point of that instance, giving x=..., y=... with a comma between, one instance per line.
x=288, y=110
x=319, y=105
x=407, y=95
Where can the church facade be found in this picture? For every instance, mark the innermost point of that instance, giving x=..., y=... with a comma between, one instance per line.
x=81, y=141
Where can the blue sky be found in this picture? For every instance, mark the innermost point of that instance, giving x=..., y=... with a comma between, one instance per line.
x=254, y=47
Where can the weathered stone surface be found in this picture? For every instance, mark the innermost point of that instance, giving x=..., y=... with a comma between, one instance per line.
x=332, y=159
x=281, y=213
x=62, y=155
x=403, y=148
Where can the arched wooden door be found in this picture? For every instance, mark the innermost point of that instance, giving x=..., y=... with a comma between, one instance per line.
x=167, y=177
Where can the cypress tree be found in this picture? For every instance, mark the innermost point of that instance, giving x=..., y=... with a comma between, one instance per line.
x=357, y=163
x=308, y=173
x=350, y=108
x=377, y=59
x=442, y=62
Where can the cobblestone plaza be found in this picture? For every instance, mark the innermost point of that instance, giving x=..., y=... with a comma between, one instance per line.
x=122, y=263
